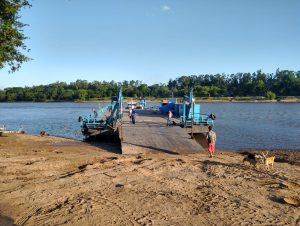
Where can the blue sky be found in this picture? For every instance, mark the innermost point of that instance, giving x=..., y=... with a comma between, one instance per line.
x=156, y=40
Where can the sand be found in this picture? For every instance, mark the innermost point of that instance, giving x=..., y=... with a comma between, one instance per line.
x=56, y=181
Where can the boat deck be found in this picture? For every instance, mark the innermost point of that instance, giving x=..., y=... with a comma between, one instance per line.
x=151, y=134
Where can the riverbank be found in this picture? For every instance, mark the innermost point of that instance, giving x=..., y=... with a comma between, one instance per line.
x=211, y=100
x=198, y=100
x=56, y=181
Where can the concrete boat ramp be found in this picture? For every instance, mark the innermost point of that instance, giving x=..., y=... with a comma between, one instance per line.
x=151, y=134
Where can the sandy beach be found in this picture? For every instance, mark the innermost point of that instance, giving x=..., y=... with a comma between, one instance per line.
x=57, y=181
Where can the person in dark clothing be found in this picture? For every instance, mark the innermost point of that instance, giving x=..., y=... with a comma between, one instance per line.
x=133, y=116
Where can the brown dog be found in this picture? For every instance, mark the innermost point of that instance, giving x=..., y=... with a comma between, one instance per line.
x=268, y=160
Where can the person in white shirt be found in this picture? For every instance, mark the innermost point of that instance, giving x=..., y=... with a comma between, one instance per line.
x=130, y=113
x=170, y=115
x=211, y=138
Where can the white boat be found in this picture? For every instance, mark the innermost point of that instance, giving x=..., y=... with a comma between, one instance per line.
x=2, y=128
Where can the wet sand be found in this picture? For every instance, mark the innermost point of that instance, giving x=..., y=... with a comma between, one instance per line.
x=56, y=181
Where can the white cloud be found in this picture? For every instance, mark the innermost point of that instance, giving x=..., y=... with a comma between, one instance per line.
x=165, y=8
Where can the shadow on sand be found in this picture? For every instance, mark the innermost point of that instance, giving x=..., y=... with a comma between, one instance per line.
x=109, y=143
x=7, y=221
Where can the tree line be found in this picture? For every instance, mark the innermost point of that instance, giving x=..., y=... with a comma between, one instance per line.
x=281, y=83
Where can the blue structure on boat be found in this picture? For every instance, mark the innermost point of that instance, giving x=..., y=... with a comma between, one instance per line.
x=166, y=108
x=103, y=120
x=188, y=112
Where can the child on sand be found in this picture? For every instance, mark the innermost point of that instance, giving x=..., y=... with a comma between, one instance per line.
x=211, y=141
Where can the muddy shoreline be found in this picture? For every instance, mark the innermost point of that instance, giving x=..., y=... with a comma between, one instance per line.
x=56, y=181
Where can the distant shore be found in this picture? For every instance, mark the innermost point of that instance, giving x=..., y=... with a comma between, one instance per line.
x=198, y=100
x=205, y=100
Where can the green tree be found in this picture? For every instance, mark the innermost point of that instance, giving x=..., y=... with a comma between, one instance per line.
x=91, y=94
x=259, y=83
x=260, y=87
x=12, y=46
x=79, y=84
x=164, y=91
x=214, y=91
x=10, y=97
x=143, y=90
x=240, y=84
x=67, y=95
x=28, y=96
x=270, y=95
x=81, y=94
x=284, y=82
x=201, y=91
x=2, y=96
x=154, y=90
x=297, y=84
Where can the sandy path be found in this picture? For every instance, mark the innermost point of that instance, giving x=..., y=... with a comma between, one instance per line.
x=54, y=181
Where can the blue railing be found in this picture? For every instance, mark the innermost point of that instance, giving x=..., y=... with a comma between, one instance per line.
x=199, y=119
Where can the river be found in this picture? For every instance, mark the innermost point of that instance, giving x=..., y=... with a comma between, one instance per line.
x=238, y=125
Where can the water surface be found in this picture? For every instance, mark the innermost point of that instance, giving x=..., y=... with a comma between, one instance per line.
x=238, y=125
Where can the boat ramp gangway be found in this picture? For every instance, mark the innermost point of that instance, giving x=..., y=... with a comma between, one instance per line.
x=151, y=133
